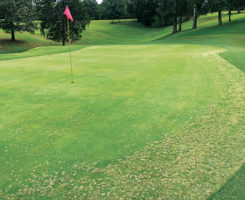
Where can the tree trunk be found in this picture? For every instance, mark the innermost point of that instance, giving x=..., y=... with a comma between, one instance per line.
x=63, y=33
x=63, y=42
x=175, y=18
x=174, y=24
x=220, y=17
x=180, y=23
x=12, y=32
x=230, y=15
x=194, y=26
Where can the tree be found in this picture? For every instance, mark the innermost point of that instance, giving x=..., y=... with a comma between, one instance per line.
x=217, y=6
x=163, y=14
x=144, y=10
x=114, y=9
x=16, y=15
x=239, y=4
x=53, y=22
x=183, y=10
x=92, y=6
x=131, y=8
x=231, y=4
x=177, y=9
x=199, y=7
x=160, y=12
x=174, y=14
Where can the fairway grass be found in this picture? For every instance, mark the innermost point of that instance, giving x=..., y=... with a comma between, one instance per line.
x=150, y=116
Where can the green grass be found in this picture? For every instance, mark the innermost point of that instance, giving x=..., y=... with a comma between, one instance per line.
x=150, y=114
x=234, y=188
x=24, y=42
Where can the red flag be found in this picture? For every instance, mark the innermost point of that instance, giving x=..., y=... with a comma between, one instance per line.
x=68, y=13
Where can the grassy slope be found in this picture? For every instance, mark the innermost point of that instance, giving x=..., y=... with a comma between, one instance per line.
x=153, y=93
x=24, y=42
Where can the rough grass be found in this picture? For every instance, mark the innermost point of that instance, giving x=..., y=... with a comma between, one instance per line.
x=150, y=116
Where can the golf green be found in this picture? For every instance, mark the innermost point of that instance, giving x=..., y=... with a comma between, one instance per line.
x=150, y=115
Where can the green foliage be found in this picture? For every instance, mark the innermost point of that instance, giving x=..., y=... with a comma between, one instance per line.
x=166, y=12
x=53, y=22
x=143, y=10
x=113, y=9
x=200, y=5
x=238, y=4
x=92, y=7
x=217, y=5
x=16, y=15
x=157, y=12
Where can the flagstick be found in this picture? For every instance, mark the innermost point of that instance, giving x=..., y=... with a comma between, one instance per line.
x=68, y=27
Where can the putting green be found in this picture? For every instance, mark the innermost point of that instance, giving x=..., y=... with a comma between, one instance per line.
x=150, y=120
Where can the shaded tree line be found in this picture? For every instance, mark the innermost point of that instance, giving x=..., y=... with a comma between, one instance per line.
x=26, y=15
x=174, y=12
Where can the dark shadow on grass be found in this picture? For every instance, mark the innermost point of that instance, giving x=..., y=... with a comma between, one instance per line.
x=8, y=46
x=48, y=51
x=170, y=35
x=234, y=188
x=12, y=42
x=236, y=58
x=226, y=28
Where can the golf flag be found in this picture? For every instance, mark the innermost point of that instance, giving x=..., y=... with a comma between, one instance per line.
x=69, y=17
x=68, y=14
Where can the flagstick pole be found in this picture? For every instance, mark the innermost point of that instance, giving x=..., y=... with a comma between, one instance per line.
x=68, y=27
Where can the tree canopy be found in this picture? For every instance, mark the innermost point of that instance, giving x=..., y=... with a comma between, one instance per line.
x=166, y=12
x=17, y=15
x=53, y=22
x=113, y=9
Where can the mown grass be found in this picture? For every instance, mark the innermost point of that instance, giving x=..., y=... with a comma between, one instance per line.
x=151, y=115
x=233, y=188
x=24, y=42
